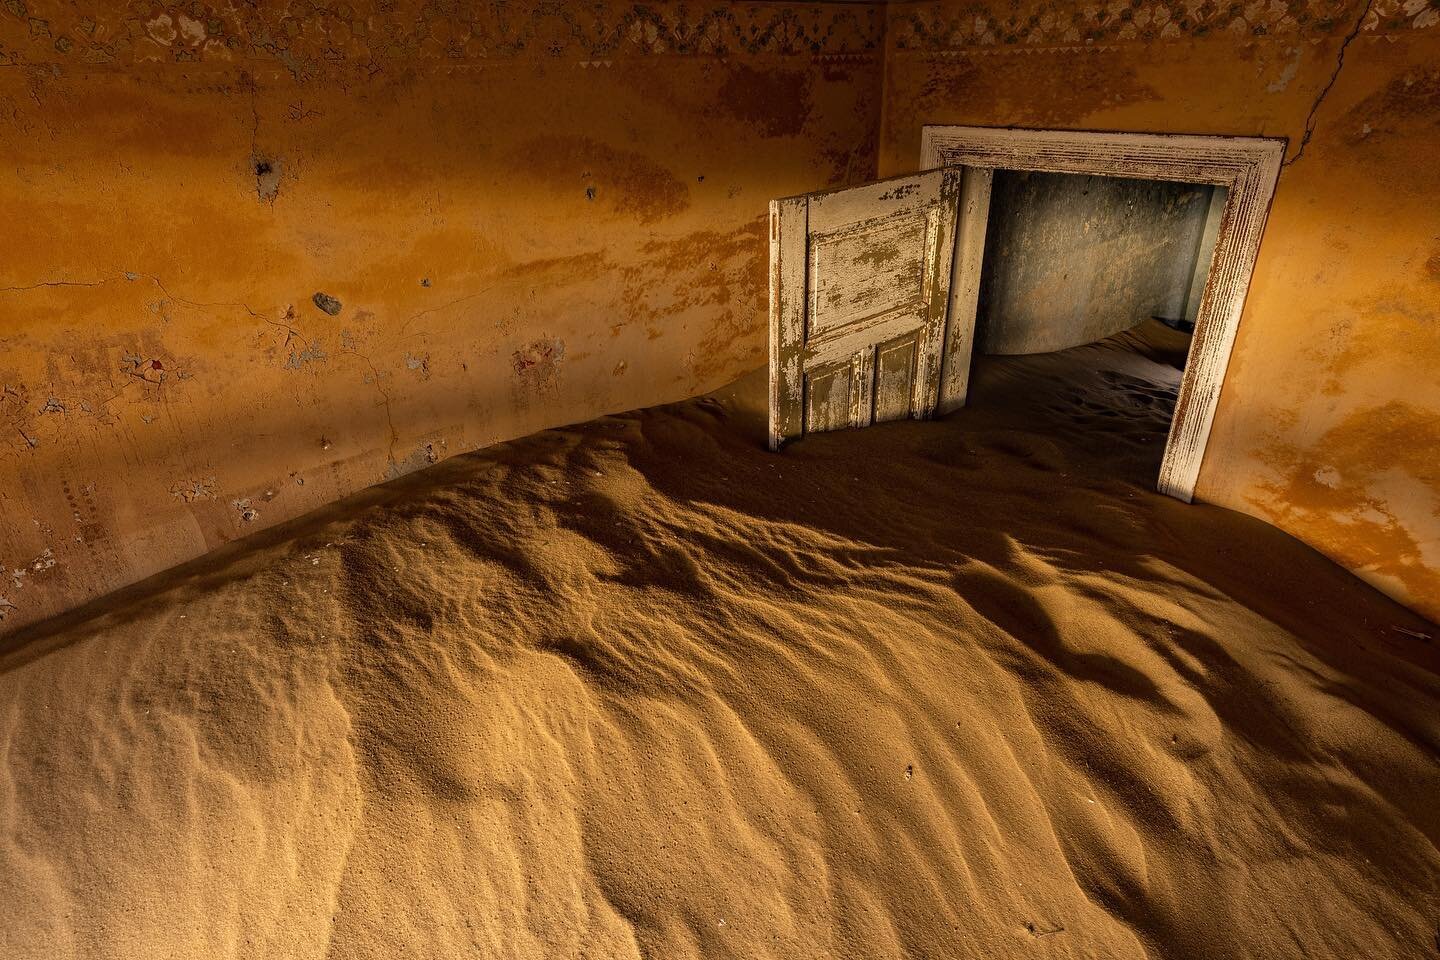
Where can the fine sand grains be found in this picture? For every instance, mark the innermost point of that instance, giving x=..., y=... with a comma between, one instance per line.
x=638, y=688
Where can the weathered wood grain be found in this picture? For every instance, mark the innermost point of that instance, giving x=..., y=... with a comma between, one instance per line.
x=874, y=266
x=787, y=317
x=965, y=287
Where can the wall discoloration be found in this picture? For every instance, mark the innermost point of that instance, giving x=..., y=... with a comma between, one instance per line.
x=1353, y=488
x=139, y=231
x=625, y=183
x=725, y=276
x=1078, y=83
x=161, y=291
x=775, y=102
x=1331, y=383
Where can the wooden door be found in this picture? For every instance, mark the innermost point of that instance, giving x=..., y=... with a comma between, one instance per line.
x=859, y=292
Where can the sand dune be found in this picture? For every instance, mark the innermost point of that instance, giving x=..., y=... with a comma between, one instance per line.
x=638, y=688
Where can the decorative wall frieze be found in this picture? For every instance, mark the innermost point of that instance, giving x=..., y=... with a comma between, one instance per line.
x=1046, y=23
x=309, y=39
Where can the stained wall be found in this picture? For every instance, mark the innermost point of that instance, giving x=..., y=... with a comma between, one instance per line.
x=503, y=206
x=1329, y=420
x=258, y=258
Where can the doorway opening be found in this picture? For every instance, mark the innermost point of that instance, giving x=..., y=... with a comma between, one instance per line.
x=1245, y=168
x=1102, y=277
x=875, y=289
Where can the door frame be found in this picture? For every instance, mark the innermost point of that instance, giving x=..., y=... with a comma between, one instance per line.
x=1247, y=166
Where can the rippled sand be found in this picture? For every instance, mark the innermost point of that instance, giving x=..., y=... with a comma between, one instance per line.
x=639, y=688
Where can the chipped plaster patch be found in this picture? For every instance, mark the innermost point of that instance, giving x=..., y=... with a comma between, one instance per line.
x=1328, y=477
x=162, y=29
x=151, y=370
x=267, y=179
x=190, y=491
x=431, y=451
x=248, y=514
x=192, y=31
x=44, y=561
x=1286, y=75
x=314, y=353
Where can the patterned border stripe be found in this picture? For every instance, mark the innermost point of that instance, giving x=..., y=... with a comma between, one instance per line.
x=306, y=38
x=942, y=26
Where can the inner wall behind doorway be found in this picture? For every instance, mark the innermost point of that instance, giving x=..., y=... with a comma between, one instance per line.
x=1071, y=259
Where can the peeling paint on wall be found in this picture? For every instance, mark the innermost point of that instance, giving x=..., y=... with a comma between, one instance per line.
x=537, y=368
x=267, y=178
x=432, y=192
x=190, y=491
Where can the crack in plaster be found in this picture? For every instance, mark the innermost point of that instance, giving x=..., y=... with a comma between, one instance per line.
x=1334, y=75
x=445, y=306
x=384, y=400
x=61, y=283
x=129, y=275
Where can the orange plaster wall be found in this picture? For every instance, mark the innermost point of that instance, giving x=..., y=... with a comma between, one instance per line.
x=1329, y=421
x=529, y=217
x=164, y=373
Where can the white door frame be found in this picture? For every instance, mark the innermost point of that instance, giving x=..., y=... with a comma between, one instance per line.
x=1247, y=166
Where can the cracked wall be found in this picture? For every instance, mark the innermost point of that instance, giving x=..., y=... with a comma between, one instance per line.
x=1329, y=420
x=259, y=258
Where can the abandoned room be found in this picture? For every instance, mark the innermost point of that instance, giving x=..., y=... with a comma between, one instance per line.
x=855, y=479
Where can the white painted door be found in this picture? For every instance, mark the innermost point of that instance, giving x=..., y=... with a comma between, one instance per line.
x=859, y=294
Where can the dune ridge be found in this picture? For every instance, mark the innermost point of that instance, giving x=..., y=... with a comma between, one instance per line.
x=637, y=688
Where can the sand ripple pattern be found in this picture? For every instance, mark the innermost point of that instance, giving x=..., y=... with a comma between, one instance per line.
x=639, y=689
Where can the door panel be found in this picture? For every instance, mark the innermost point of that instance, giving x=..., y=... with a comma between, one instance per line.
x=860, y=288
x=828, y=392
x=864, y=273
x=894, y=377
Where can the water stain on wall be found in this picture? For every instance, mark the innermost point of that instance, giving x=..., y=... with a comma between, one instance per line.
x=773, y=101
x=1406, y=102
x=1074, y=86
x=626, y=182
x=723, y=276
x=1345, y=488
